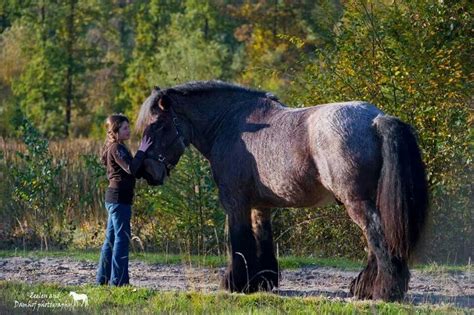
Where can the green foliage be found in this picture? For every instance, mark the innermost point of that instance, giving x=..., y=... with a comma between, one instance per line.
x=39, y=89
x=35, y=185
x=186, y=209
x=273, y=32
x=68, y=191
x=322, y=232
x=149, y=20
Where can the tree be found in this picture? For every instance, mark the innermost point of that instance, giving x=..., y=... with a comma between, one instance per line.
x=48, y=89
x=275, y=33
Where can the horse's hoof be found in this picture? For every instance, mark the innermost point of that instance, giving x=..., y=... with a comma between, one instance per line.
x=362, y=286
x=265, y=280
x=231, y=284
x=360, y=290
x=389, y=288
x=262, y=284
x=388, y=294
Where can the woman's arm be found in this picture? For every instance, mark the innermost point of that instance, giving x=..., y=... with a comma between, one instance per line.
x=123, y=158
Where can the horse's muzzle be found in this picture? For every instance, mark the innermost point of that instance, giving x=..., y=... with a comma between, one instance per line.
x=155, y=172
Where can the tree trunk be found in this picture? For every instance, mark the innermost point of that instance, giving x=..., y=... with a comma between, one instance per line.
x=70, y=64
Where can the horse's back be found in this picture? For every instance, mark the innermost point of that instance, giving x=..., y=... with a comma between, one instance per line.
x=346, y=148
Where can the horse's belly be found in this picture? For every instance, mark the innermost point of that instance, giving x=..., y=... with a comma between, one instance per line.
x=295, y=194
x=316, y=197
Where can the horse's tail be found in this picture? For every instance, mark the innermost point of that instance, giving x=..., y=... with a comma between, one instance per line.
x=402, y=193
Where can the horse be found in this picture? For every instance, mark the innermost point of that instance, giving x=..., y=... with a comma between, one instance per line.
x=79, y=297
x=265, y=155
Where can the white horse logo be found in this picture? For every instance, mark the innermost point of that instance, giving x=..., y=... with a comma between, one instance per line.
x=79, y=297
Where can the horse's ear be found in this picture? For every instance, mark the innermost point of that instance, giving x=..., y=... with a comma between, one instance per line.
x=164, y=103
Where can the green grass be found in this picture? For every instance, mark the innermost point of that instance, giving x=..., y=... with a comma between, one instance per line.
x=108, y=300
x=90, y=255
x=286, y=262
x=443, y=268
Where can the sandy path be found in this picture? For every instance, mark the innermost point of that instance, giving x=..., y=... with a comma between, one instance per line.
x=453, y=288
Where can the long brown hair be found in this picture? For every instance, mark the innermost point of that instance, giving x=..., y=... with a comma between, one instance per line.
x=112, y=125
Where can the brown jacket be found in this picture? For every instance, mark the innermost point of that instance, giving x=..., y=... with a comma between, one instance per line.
x=122, y=169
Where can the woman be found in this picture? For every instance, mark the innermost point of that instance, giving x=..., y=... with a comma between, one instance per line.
x=121, y=171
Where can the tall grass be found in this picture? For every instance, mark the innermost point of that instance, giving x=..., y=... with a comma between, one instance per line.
x=81, y=191
x=176, y=218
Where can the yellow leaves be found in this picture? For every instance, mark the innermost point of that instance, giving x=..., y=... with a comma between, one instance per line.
x=261, y=41
x=297, y=41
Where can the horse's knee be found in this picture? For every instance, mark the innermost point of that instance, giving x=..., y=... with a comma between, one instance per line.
x=267, y=274
x=360, y=211
x=262, y=231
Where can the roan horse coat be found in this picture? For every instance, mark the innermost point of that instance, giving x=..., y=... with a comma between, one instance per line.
x=265, y=155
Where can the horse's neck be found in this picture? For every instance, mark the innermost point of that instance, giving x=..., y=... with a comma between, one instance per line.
x=210, y=115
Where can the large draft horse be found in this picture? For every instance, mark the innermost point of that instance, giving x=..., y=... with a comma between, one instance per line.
x=265, y=155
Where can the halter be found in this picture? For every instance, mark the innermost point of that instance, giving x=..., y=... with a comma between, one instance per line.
x=161, y=158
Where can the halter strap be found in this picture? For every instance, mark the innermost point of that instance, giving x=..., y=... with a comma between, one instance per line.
x=161, y=158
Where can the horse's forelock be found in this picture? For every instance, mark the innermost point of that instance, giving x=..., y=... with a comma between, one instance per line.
x=145, y=114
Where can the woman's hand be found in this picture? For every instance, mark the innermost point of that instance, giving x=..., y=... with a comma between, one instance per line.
x=145, y=144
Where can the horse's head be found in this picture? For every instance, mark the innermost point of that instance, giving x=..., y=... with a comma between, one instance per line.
x=160, y=123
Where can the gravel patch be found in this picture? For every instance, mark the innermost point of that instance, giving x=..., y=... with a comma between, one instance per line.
x=455, y=288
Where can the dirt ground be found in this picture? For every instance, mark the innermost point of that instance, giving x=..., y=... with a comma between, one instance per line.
x=455, y=288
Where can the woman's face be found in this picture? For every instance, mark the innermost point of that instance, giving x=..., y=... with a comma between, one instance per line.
x=124, y=132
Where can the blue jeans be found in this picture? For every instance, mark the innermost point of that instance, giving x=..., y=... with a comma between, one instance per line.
x=113, y=263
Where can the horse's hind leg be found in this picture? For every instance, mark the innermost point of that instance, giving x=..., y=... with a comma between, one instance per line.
x=267, y=266
x=389, y=279
x=362, y=286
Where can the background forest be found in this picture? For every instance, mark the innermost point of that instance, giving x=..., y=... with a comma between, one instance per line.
x=66, y=64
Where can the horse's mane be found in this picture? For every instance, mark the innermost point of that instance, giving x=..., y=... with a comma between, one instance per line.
x=195, y=88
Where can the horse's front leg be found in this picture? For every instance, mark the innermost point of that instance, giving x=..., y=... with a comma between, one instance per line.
x=267, y=269
x=243, y=260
